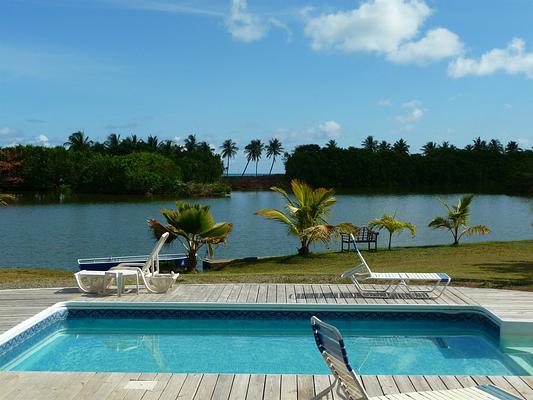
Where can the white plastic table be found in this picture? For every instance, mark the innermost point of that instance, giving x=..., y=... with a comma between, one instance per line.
x=119, y=275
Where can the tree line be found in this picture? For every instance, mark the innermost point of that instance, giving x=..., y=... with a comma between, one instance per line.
x=482, y=166
x=116, y=166
x=253, y=151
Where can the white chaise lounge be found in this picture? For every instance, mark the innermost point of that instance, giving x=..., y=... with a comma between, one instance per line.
x=147, y=273
x=394, y=280
x=331, y=345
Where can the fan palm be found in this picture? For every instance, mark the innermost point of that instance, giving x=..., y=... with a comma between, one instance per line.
x=253, y=151
x=392, y=225
x=78, y=142
x=4, y=198
x=194, y=226
x=273, y=149
x=457, y=219
x=229, y=150
x=305, y=215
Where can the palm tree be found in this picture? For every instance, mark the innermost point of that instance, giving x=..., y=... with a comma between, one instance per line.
x=369, y=144
x=391, y=224
x=194, y=226
x=112, y=143
x=401, y=147
x=479, y=144
x=229, y=150
x=191, y=144
x=253, y=151
x=495, y=145
x=332, y=145
x=152, y=143
x=512, y=147
x=273, y=149
x=305, y=215
x=457, y=219
x=384, y=146
x=4, y=198
x=429, y=148
x=78, y=142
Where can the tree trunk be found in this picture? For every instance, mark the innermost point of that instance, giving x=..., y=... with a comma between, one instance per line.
x=246, y=166
x=304, y=250
x=256, y=164
x=390, y=239
x=272, y=165
x=227, y=168
x=191, y=260
x=455, y=237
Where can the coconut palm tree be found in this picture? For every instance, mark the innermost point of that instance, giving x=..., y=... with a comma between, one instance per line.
x=332, y=145
x=401, y=147
x=78, y=142
x=479, y=144
x=457, y=219
x=392, y=225
x=4, y=198
x=194, y=226
x=229, y=150
x=384, y=146
x=112, y=143
x=273, y=149
x=512, y=147
x=429, y=148
x=495, y=146
x=369, y=144
x=306, y=213
x=191, y=143
x=253, y=151
x=152, y=143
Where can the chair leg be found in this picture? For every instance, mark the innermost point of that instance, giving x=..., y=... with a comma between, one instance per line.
x=326, y=390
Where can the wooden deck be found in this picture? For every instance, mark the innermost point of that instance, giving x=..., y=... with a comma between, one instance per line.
x=18, y=305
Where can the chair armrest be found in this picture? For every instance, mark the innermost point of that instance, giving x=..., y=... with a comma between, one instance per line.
x=355, y=271
x=126, y=265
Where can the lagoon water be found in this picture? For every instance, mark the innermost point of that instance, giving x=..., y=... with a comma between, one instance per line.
x=52, y=234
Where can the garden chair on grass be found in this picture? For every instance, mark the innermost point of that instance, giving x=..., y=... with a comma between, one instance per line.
x=394, y=280
x=349, y=386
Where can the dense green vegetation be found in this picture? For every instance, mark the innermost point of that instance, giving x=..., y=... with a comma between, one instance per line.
x=504, y=265
x=117, y=166
x=480, y=167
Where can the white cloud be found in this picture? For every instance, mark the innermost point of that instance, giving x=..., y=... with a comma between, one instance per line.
x=386, y=27
x=331, y=128
x=7, y=132
x=412, y=104
x=243, y=25
x=511, y=60
x=322, y=133
x=438, y=44
x=42, y=139
x=384, y=102
x=416, y=114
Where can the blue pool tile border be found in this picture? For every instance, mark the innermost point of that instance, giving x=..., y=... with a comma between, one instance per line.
x=15, y=346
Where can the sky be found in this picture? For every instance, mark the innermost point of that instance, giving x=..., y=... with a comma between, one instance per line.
x=304, y=71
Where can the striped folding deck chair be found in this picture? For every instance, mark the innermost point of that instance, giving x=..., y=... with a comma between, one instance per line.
x=394, y=280
x=349, y=386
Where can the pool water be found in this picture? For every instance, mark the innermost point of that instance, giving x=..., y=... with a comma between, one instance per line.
x=268, y=345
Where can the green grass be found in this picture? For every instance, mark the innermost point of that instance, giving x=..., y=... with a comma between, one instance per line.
x=493, y=264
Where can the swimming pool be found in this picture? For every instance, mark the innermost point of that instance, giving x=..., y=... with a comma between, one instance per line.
x=257, y=341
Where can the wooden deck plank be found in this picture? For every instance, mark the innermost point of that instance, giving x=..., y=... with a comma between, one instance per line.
x=239, y=387
x=256, y=387
x=289, y=387
x=272, y=387
x=173, y=387
x=206, y=387
x=223, y=387
x=190, y=386
x=306, y=386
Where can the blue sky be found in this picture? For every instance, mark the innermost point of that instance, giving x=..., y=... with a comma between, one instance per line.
x=302, y=71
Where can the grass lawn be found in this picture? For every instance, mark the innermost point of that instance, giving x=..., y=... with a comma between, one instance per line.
x=492, y=264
